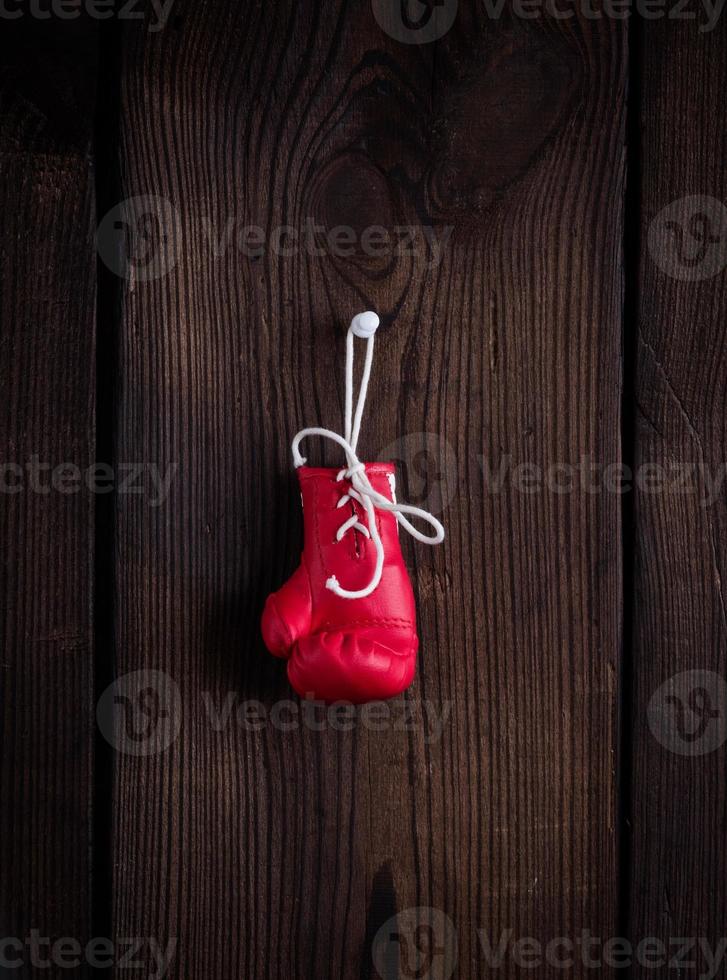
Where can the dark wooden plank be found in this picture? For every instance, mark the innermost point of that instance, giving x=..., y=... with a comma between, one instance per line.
x=679, y=852
x=282, y=853
x=47, y=380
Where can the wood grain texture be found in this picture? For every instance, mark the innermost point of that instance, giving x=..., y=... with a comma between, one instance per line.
x=679, y=845
x=272, y=853
x=47, y=307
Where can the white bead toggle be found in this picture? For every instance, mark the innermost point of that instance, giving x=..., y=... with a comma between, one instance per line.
x=365, y=325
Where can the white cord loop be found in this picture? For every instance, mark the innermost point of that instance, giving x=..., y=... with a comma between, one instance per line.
x=364, y=325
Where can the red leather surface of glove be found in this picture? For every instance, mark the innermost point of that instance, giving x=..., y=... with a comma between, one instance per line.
x=341, y=649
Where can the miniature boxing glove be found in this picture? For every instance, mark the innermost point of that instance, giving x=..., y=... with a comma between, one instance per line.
x=345, y=621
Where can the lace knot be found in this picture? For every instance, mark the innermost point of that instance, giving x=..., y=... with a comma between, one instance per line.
x=350, y=471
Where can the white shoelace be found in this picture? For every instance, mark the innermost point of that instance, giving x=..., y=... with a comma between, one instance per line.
x=364, y=325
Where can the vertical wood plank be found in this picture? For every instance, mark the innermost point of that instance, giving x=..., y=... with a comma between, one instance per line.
x=47, y=380
x=679, y=853
x=280, y=853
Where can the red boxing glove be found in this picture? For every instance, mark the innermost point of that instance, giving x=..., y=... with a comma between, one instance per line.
x=345, y=620
x=342, y=649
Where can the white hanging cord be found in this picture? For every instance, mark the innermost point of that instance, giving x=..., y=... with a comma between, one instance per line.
x=364, y=325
